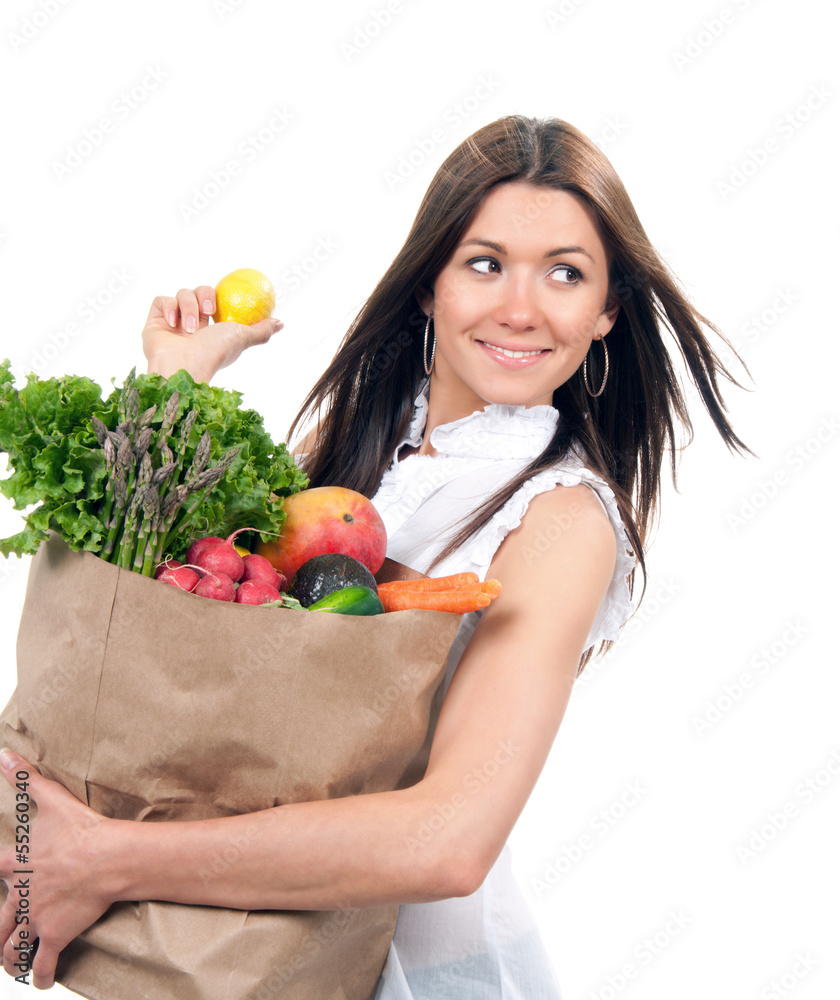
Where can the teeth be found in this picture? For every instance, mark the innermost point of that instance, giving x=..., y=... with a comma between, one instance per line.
x=512, y=354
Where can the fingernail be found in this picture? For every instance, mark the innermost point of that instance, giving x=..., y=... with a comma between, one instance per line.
x=8, y=758
x=171, y=319
x=189, y=326
x=278, y=325
x=207, y=307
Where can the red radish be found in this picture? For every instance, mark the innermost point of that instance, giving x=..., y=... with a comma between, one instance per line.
x=168, y=563
x=217, y=555
x=256, y=592
x=180, y=576
x=221, y=558
x=259, y=568
x=199, y=544
x=216, y=586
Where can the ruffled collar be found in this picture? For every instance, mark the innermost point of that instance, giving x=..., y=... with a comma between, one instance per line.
x=497, y=431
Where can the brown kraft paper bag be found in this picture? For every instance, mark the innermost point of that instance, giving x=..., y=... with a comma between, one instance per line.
x=152, y=704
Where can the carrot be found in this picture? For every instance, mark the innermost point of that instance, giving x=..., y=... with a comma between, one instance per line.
x=458, y=600
x=427, y=583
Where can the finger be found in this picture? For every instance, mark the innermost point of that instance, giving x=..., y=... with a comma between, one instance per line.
x=206, y=296
x=260, y=333
x=188, y=304
x=164, y=306
x=43, y=966
x=8, y=921
x=15, y=769
x=16, y=954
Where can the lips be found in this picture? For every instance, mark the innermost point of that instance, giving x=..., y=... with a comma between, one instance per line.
x=514, y=358
x=510, y=353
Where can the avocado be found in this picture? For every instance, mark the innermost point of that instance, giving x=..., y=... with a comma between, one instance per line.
x=324, y=574
x=350, y=601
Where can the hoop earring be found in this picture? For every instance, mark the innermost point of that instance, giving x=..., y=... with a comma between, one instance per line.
x=606, y=370
x=428, y=367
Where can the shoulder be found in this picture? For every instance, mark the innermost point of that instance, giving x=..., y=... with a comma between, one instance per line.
x=565, y=517
x=556, y=566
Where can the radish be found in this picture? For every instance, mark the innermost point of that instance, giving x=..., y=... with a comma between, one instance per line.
x=168, y=563
x=221, y=558
x=256, y=592
x=217, y=586
x=180, y=576
x=218, y=555
x=259, y=568
x=199, y=544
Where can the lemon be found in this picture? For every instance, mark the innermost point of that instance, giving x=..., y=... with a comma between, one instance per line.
x=244, y=296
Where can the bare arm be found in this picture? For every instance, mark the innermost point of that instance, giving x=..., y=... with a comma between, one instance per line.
x=504, y=705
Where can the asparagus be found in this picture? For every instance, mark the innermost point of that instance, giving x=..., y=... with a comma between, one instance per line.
x=100, y=430
x=110, y=467
x=156, y=479
x=131, y=526
x=120, y=497
x=171, y=526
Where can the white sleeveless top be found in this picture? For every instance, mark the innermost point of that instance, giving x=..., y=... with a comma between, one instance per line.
x=485, y=946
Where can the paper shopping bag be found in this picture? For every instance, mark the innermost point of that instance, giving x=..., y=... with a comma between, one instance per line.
x=151, y=704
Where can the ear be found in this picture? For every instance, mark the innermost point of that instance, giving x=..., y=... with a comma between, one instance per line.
x=425, y=299
x=608, y=316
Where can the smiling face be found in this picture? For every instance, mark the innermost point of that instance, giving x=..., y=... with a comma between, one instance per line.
x=518, y=304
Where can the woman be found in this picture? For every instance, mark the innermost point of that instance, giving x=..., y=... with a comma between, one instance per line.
x=475, y=400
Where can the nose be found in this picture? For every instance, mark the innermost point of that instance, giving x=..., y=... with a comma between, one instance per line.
x=518, y=307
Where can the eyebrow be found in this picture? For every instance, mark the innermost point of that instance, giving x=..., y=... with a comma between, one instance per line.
x=557, y=252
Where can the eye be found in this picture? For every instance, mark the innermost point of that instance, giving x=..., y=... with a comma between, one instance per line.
x=566, y=275
x=484, y=265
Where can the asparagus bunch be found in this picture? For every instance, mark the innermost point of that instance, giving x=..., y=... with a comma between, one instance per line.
x=156, y=480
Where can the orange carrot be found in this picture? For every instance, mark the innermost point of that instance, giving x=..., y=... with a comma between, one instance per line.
x=427, y=583
x=458, y=601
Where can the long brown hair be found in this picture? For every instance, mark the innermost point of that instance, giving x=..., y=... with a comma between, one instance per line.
x=365, y=399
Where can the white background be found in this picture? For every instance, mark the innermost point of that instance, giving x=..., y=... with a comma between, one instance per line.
x=683, y=98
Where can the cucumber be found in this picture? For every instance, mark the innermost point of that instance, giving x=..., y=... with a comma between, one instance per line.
x=353, y=600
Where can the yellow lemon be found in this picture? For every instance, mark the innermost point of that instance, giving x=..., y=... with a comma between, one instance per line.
x=244, y=296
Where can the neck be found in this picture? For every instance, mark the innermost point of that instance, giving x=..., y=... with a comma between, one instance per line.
x=446, y=406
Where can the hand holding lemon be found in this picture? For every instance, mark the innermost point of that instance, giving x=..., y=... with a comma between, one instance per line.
x=179, y=334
